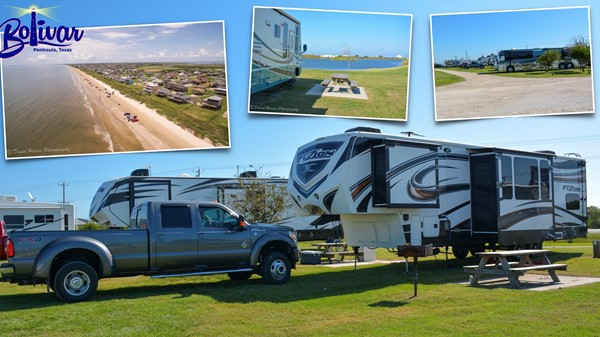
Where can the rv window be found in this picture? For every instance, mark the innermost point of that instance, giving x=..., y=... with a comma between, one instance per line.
x=545, y=179
x=14, y=219
x=360, y=145
x=573, y=202
x=277, y=32
x=507, y=178
x=175, y=217
x=526, y=179
x=43, y=218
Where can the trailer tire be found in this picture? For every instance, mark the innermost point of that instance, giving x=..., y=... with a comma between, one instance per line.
x=75, y=282
x=275, y=268
x=562, y=66
x=460, y=252
x=510, y=69
x=570, y=65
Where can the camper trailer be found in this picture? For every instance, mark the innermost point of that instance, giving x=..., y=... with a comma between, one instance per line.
x=393, y=191
x=114, y=200
x=276, y=49
x=20, y=215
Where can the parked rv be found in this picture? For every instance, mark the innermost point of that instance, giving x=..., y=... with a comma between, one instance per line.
x=526, y=59
x=393, y=191
x=276, y=49
x=115, y=199
x=20, y=215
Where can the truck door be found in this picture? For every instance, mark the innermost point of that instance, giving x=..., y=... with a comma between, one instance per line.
x=176, y=244
x=484, y=194
x=221, y=242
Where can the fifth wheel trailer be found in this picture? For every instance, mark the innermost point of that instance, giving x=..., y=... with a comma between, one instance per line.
x=393, y=191
x=115, y=199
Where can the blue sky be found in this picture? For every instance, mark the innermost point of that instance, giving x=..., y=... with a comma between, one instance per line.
x=270, y=141
x=474, y=35
x=364, y=34
x=180, y=42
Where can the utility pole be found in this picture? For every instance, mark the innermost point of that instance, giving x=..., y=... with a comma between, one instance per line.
x=198, y=172
x=64, y=191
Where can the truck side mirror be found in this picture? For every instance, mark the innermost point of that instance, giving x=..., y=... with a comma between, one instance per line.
x=304, y=48
x=241, y=222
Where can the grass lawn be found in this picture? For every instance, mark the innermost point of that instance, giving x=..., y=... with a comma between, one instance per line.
x=443, y=78
x=386, y=88
x=374, y=300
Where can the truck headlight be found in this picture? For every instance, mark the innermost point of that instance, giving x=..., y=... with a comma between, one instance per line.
x=292, y=235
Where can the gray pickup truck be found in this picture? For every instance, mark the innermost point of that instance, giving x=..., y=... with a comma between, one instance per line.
x=164, y=239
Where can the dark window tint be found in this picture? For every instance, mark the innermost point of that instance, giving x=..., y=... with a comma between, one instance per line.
x=217, y=217
x=14, y=219
x=526, y=179
x=545, y=180
x=175, y=217
x=573, y=203
x=507, y=177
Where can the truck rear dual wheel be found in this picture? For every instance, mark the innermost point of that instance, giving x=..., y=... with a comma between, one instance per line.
x=276, y=268
x=75, y=282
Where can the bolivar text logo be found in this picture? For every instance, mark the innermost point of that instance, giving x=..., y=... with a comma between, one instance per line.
x=37, y=35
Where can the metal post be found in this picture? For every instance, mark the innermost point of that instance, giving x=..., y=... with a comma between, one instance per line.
x=416, y=279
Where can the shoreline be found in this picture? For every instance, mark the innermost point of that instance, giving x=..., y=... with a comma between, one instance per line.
x=152, y=132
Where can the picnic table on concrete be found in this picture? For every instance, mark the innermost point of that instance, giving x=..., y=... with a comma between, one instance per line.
x=338, y=82
x=496, y=263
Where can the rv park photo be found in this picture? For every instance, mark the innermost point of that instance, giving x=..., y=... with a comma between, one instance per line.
x=350, y=168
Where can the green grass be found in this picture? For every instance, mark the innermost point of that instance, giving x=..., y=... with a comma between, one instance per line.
x=526, y=74
x=386, y=88
x=443, y=78
x=374, y=300
x=201, y=122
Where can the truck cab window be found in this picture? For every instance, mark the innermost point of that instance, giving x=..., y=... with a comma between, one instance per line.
x=217, y=217
x=175, y=216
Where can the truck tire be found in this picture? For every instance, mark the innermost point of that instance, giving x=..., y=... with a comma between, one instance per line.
x=241, y=276
x=275, y=268
x=75, y=282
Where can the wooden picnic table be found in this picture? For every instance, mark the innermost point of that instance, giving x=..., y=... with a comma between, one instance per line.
x=330, y=250
x=496, y=263
x=340, y=78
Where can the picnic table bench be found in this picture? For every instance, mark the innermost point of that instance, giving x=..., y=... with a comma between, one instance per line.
x=337, y=251
x=513, y=270
x=325, y=82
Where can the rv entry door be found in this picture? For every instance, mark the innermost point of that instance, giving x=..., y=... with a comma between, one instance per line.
x=484, y=194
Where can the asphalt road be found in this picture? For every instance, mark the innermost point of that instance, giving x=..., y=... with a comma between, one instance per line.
x=486, y=96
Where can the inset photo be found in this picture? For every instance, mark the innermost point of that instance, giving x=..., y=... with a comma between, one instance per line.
x=119, y=89
x=512, y=63
x=330, y=63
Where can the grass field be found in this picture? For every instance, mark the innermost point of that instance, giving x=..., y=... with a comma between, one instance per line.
x=374, y=300
x=387, y=90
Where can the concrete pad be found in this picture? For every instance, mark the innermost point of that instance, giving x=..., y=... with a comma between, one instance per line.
x=333, y=91
x=535, y=282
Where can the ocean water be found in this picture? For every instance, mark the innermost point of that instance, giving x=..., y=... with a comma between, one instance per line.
x=47, y=113
x=361, y=64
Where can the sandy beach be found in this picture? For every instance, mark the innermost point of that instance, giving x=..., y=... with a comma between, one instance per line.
x=152, y=132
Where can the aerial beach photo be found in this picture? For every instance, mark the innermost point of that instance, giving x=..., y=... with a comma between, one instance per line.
x=120, y=89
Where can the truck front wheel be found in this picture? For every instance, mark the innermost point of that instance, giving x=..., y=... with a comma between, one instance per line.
x=75, y=282
x=276, y=268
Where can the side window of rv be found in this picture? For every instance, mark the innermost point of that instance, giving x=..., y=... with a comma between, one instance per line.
x=140, y=221
x=14, y=219
x=573, y=203
x=526, y=179
x=507, y=177
x=43, y=218
x=277, y=32
x=175, y=216
x=360, y=145
x=545, y=180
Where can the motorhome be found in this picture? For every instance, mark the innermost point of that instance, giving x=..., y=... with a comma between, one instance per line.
x=392, y=191
x=21, y=215
x=114, y=200
x=276, y=49
x=526, y=59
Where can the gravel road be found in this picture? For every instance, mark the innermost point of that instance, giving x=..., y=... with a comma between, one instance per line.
x=485, y=96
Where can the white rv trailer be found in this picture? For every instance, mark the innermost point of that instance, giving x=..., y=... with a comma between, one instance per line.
x=276, y=49
x=114, y=200
x=393, y=191
x=20, y=215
